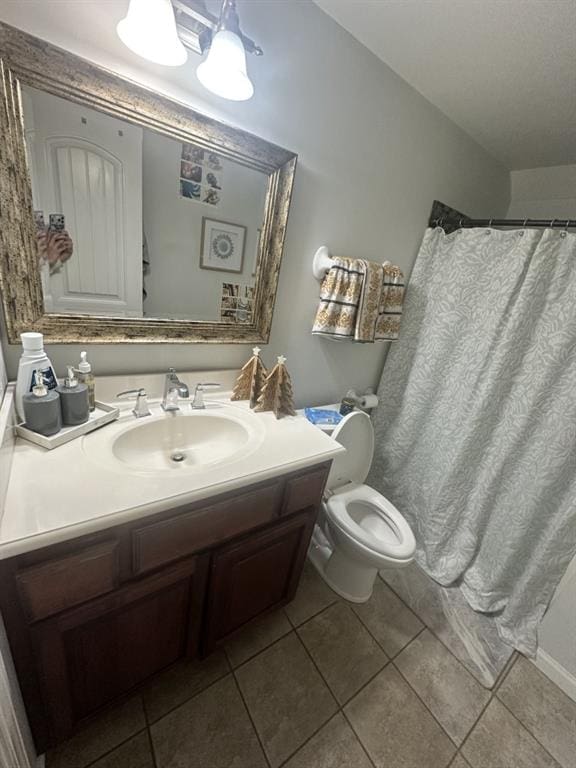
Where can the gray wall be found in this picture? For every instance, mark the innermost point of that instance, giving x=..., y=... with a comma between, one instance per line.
x=373, y=154
x=541, y=193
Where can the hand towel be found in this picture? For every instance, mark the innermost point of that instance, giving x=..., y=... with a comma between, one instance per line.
x=390, y=311
x=369, y=303
x=360, y=300
x=339, y=296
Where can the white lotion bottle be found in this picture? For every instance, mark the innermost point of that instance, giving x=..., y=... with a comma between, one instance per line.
x=33, y=359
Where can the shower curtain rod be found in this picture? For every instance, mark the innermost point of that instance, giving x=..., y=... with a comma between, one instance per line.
x=450, y=220
x=555, y=223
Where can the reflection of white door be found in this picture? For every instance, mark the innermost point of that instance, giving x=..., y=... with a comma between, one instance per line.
x=88, y=166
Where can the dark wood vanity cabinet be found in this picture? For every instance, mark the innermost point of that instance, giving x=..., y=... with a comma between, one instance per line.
x=254, y=575
x=92, y=654
x=90, y=619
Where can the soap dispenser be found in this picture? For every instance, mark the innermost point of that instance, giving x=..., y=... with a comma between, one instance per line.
x=74, y=400
x=41, y=408
x=85, y=376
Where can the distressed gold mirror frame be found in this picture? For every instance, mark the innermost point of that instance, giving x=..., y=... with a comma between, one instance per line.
x=29, y=61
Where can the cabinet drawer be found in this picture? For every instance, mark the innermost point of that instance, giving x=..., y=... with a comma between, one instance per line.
x=58, y=584
x=159, y=543
x=304, y=490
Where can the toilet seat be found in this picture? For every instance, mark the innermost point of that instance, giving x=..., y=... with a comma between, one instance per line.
x=357, y=510
x=372, y=522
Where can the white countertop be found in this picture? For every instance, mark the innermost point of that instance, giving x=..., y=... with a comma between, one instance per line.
x=60, y=494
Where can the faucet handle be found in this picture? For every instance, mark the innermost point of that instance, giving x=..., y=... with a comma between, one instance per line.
x=141, y=408
x=129, y=393
x=198, y=401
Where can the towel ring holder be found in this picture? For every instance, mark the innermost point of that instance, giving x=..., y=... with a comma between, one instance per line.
x=321, y=262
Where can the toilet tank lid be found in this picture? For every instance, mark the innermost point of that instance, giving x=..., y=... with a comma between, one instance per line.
x=355, y=433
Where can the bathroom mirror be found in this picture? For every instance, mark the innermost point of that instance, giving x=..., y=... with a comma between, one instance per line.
x=127, y=216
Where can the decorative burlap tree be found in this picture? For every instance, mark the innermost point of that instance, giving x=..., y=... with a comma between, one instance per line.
x=277, y=392
x=251, y=379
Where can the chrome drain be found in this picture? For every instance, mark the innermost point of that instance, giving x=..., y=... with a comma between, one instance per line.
x=178, y=457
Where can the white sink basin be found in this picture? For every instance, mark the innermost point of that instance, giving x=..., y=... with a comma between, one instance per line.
x=175, y=442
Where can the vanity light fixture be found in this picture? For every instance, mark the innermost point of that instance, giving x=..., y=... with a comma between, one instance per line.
x=149, y=29
x=161, y=30
x=224, y=69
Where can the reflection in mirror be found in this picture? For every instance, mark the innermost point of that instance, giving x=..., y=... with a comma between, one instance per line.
x=133, y=223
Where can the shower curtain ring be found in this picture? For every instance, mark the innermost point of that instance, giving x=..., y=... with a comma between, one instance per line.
x=565, y=230
x=552, y=223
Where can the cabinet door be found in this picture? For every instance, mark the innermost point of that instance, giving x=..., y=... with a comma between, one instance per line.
x=254, y=575
x=94, y=653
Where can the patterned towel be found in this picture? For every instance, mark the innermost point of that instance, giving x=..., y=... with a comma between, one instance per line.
x=390, y=312
x=369, y=304
x=339, y=296
x=360, y=300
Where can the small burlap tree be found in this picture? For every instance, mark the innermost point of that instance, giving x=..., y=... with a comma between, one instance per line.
x=251, y=379
x=277, y=395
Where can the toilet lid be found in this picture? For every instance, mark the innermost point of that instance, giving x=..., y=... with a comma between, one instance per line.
x=355, y=433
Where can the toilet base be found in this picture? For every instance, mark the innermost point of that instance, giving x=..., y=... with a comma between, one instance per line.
x=347, y=577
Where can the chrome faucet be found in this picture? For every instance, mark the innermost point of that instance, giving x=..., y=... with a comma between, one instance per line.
x=141, y=408
x=173, y=390
x=198, y=401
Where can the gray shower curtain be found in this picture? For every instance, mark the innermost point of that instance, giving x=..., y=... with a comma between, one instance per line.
x=476, y=427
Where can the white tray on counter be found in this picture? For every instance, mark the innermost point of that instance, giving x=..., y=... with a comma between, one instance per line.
x=101, y=415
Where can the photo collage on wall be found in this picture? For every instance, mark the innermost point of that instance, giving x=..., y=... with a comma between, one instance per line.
x=236, y=303
x=200, y=175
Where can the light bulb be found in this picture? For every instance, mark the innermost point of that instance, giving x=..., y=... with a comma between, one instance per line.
x=149, y=30
x=224, y=70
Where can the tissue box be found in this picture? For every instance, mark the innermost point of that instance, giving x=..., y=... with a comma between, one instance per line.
x=323, y=416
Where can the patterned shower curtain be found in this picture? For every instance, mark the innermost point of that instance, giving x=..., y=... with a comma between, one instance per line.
x=476, y=427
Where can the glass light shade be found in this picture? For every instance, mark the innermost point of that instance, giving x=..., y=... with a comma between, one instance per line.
x=149, y=30
x=224, y=70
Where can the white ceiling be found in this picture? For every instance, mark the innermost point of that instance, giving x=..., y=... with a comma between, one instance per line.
x=503, y=70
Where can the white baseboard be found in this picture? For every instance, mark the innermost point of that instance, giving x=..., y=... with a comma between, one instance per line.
x=556, y=673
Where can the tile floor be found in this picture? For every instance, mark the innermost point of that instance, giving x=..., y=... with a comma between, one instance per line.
x=323, y=684
x=472, y=637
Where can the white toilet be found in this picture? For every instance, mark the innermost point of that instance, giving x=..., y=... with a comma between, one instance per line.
x=359, y=531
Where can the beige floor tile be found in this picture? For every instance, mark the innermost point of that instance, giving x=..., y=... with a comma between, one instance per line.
x=395, y=727
x=101, y=735
x=454, y=697
x=180, y=682
x=212, y=730
x=286, y=697
x=543, y=708
x=459, y=762
x=388, y=619
x=334, y=746
x=135, y=753
x=344, y=651
x=312, y=596
x=500, y=741
x=256, y=636
x=471, y=636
